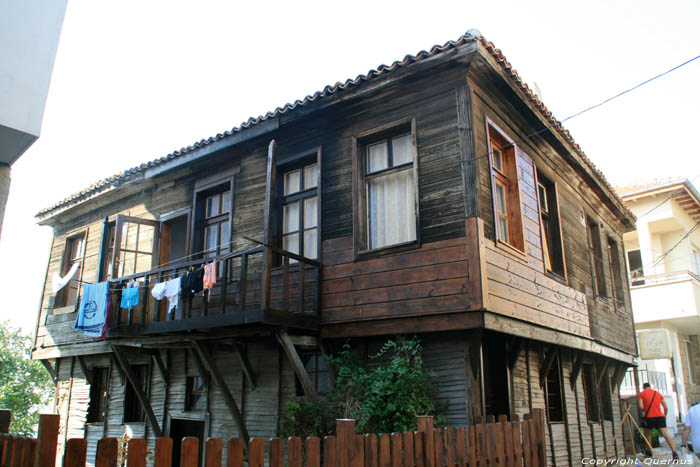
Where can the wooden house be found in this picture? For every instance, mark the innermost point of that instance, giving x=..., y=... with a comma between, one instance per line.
x=437, y=197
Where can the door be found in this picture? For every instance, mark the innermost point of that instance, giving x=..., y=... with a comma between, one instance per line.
x=181, y=428
x=135, y=245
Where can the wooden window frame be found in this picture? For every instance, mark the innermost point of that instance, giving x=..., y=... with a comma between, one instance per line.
x=106, y=260
x=289, y=164
x=553, y=228
x=129, y=392
x=190, y=392
x=60, y=305
x=590, y=393
x=360, y=142
x=556, y=371
x=509, y=178
x=617, y=289
x=97, y=407
x=203, y=188
x=595, y=252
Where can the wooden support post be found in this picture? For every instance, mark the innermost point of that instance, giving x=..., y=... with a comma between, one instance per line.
x=52, y=373
x=161, y=366
x=138, y=390
x=201, y=369
x=603, y=372
x=210, y=365
x=245, y=364
x=424, y=424
x=47, y=440
x=576, y=370
x=5, y=419
x=619, y=375
x=85, y=369
x=268, y=240
x=547, y=364
x=297, y=365
x=350, y=446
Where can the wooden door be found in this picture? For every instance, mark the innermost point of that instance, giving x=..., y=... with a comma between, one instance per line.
x=135, y=245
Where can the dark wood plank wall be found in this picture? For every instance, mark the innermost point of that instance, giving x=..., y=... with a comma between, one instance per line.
x=575, y=199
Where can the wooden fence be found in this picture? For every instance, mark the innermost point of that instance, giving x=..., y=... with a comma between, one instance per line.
x=502, y=443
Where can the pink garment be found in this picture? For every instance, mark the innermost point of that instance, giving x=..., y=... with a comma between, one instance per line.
x=209, y=275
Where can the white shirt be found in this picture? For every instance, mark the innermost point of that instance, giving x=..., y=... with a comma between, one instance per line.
x=693, y=421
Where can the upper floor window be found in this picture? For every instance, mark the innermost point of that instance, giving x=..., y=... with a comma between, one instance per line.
x=213, y=211
x=506, y=190
x=72, y=258
x=617, y=289
x=553, y=250
x=300, y=207
x=386, y=188
x=595, y=251
x=636, y=270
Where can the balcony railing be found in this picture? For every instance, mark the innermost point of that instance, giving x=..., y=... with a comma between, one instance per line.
x=246, y=291
x=657, y=379
x=638, y=280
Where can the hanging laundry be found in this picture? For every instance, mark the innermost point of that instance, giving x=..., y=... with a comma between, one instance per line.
x=93, y=312
x=209, y=275
x=59, y=282
x=192, y=283
x=130, y=297
x=170, y=290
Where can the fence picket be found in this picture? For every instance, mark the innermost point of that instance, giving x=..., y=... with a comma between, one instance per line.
x=189, y=452
x=508, y=443
x=294, y=457
x=256, y=454
x=76, y=450
x=371, y=454
x=471, y=446
x=136, y=453
x=29, y=451
x=384, y=450
x=234, y=453
x=164, y=452
x=313, y=451
x=47, y=439
x=527, y=452
x=330, y=451
x=408, y=455
x=276, y=452
x=438, y=436
x=214, y=454
x=517, y=446
x=449, y=447
x=107, y=453
x=534, y=451
x=419, y=448
x=396, y=450
x=481, y=445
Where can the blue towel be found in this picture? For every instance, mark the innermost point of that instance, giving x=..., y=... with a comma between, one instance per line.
x=92, y=315
x=130, y=297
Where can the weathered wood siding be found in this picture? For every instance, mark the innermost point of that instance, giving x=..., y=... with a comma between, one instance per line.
x=576, y=200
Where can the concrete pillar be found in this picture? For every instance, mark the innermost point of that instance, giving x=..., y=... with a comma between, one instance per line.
x=4, y=190
x=645, y=247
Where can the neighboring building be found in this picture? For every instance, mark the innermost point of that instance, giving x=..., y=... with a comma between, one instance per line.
x=418, y=204
x=29, y=31
x=663, y=257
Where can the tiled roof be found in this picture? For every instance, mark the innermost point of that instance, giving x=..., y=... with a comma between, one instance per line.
x=380, y=71
x=642, y=186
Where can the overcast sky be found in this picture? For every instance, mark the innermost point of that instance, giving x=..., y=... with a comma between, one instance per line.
x=135, y=80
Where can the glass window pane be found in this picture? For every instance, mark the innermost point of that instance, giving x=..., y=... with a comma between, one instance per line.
x=291, y=243
x=402, y=147
x=310, y=243
x=500, y=198
x=392, y=215
x=290, y=222
x=226, y=202
x=213, y=205
x=503, y=228
x=497, y=159
x=292, y=182
x=211, y=239
x=310, y=213
x=225, y=237
x=143, y=262
x=310, y=176
x=377, y=157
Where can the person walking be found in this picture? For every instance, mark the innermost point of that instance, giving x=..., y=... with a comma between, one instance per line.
x=650, y=403
x=692, y=429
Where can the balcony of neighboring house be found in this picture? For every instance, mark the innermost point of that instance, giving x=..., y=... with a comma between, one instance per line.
x=673, y=297
x=255, y=287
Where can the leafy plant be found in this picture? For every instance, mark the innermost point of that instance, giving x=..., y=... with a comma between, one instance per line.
x=308, y=418
x=25, y=387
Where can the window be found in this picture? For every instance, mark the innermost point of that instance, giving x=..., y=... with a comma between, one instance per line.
x=133, y=412
x=72, y=257
x=591, y=393
x=691, y=363
x=634, y=261
x=618, y=289
x=300, y=208
x=98, y=395
x=553, y=393
x=386, y=188
x=194, y=393
x=696, y=261
x=107, y=251
x=212, y=220
x=318, y=372
x=506, y=191
x=596, y=254
x=553, y=250
x=606, y=396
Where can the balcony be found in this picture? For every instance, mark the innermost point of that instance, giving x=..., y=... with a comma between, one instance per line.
x=672, y=296
x=249, y=292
